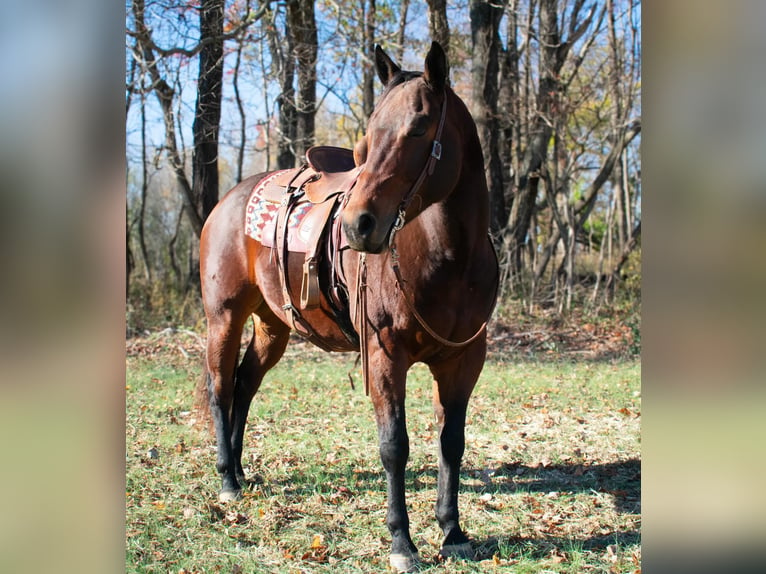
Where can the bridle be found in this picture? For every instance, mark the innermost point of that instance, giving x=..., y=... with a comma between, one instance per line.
x=428, y=169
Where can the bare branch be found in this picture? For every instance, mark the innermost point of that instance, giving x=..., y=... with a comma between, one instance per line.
x=143, y=34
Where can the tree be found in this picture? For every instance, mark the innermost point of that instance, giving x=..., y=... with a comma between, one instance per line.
x=554, y=53
x=144, y=52
x=201, y=194
x=368, y=81
x=282, y=56
x=485, y=41
x=438, y=26
x=554, y=88
x=303, y=30
x=207, y=115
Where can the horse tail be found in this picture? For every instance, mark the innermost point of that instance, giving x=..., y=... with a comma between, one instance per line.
x=201, y=406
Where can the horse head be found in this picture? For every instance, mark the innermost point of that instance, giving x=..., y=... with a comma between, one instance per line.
x=410, y=152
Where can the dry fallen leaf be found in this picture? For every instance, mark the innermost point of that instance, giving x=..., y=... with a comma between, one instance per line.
x=317, y=542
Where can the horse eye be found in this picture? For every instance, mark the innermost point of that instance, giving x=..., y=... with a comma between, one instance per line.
x=418, y=128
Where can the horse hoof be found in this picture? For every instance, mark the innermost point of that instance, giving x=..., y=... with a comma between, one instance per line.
x=459, y=551
x=229, y=495
x=404, y=562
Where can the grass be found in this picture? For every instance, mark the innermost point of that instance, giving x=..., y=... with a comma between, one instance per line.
x=550, y=480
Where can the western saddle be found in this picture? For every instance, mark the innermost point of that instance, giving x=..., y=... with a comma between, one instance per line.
x=317, y=191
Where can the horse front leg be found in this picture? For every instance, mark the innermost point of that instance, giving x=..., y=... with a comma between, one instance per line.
x=387, y=390
x=451, y=420
x=454, y=381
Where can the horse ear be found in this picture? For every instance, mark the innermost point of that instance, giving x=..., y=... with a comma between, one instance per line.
x=360, y=152
x=436, y=67
x=386, y=67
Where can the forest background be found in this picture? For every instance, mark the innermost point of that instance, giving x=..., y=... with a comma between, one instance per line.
x=219, y=89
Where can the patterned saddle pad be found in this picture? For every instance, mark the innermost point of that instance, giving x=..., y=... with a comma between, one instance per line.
x=261, y=217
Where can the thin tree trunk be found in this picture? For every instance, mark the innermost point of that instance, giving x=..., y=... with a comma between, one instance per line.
x=266, y=124
x=242, y=116
x=438, y=26
x=485, y=40
x=401, y=36
x=630, y=245
x=172, y=247
x=541, y=131
x=617, y=119
x=130, y=262
x=207, y=117
x=510, y=115
x=286, y=99
x=553, y=55
x=144, y=193
x=302, y=24
x=368, y=75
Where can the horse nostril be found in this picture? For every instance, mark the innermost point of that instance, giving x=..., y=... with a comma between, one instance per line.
x=365, y=224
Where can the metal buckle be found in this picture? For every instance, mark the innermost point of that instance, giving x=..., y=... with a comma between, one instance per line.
x=436, y=150
x=400, y=220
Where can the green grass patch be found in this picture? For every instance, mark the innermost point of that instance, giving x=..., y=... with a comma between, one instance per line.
x=550, y=480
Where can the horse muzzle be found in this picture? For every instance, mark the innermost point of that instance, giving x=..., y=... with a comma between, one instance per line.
x=365, y=231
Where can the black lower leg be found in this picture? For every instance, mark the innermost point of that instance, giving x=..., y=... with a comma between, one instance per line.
x=451, y=447
x=225, y=460
x=394, y=451
x=245, y=388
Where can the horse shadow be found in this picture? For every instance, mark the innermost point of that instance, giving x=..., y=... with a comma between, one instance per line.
x=542, y=548
x=621, y=479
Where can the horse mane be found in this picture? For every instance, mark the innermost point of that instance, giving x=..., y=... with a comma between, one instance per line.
x=399, y=79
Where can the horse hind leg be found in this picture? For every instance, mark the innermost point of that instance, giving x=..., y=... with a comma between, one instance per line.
x=266, y=347
x=223, y=342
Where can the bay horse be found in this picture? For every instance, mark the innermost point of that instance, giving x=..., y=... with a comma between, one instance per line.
x=422, y=279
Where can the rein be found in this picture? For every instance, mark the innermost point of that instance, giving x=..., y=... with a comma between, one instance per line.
x=428, y=169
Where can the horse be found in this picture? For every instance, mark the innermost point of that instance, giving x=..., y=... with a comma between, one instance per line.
x=421, y=276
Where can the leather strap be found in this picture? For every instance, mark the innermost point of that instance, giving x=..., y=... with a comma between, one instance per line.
x=361, y=317
x=294, y=318
x=446, y=342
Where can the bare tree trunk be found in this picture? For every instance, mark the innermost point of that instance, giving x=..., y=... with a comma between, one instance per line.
x=283, y=59
x=553, y=55
x=617, y=119
x=401, y=36
x=207, y=117
x=242, y=116
x=438, y=26
x=172, y=247
x=630, y=245
x=368, y=75
x=266, y=123
x=485, y=22
x=144, y=193
x=130, y=262
x=540, y=134
x=300, y=15
x=510, y=110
